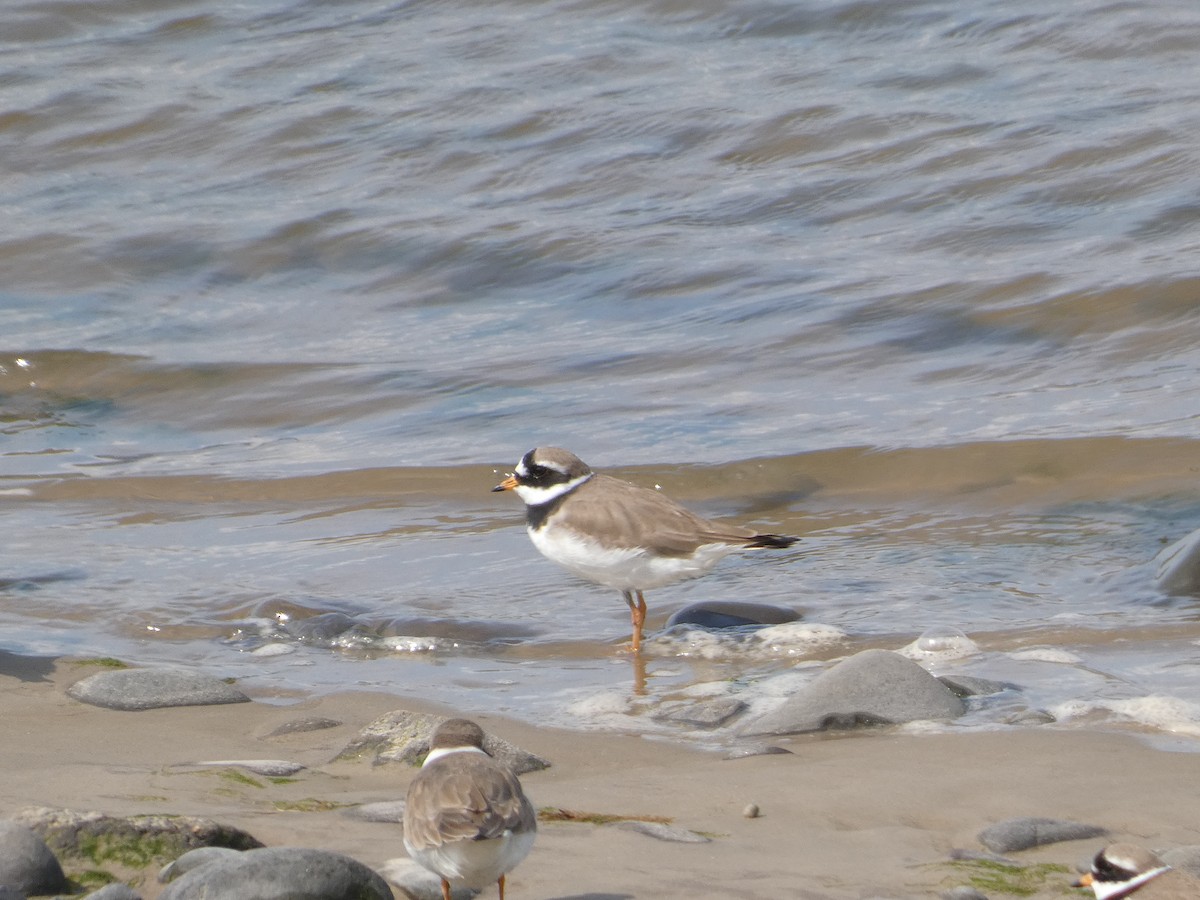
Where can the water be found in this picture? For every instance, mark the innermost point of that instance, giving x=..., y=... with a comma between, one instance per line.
x=287, y=287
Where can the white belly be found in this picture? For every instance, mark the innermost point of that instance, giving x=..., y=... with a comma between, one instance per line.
x=625, y=570
x=476, y=864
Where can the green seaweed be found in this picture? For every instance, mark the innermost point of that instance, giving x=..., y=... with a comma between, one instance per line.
x=309, y=804
x=995, y=877
x=558, y=814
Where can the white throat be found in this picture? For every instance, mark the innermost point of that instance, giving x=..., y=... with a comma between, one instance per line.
x=536, y=496
x=1104, y=890
x=446, y=751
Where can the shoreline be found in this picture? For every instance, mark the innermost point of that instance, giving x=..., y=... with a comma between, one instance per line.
x=871, y=813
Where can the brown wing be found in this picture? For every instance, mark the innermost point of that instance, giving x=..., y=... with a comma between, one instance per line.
x=640, y=517
x=464, y=797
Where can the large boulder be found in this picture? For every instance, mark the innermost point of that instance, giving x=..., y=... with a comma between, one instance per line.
x=280, y=873
x=26, y=863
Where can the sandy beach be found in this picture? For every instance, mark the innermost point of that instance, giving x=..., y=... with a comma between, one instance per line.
x=870, y=814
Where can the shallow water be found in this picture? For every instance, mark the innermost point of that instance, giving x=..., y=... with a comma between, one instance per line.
x=287, y=287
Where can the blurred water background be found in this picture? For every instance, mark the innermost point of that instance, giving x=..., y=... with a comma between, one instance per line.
x=287, y=286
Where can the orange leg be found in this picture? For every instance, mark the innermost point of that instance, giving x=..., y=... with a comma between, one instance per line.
x=501, y=884
x=637, y=613
x=445, y=889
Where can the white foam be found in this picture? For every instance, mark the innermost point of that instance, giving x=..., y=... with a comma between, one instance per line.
x=939, y=644
x=409, y=644
x=790, y=640
x=1157, y=711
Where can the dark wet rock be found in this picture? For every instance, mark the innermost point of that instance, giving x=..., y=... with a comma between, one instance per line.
x=710, y=713
x=970, y=686
x=1023, y=833
x=403, y=736
x=114, y=891
x=280, y=873
x=190, y=860
x=417, y=883
x=133, y=689
x=69, y=833
x=27, y=864
x=1186, y=858
x=731, y=614
x=663, y=832
x=1178, y=565
x=874, y=687
x=390, y=811
x=311, y=723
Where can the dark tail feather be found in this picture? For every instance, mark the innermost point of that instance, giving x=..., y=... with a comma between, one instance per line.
x=771, y=541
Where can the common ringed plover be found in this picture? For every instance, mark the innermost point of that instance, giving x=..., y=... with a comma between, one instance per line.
x=466, y=818
x=1126, y=870
x=618, y=534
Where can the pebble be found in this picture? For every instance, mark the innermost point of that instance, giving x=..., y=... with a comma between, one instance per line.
x=136, y=689
x=874, y=687
x=1026, y=832
x=963, y=892
x=751, y=811
x=710, y=713
x=662, y=832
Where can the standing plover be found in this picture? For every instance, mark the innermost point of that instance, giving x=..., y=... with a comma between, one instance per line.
x=616, y=533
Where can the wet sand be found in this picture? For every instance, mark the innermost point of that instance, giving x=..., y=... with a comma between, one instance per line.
x=872, y=814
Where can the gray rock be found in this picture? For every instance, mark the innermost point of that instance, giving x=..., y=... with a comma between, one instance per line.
x=26, y=862
x=190, y=860
x=1026, y=832
x=709, y=713
x=11, y=893
x=114, y=891
x=390, y=811
x=280, y=873
x=963, y=892
x=296, y=726
x=748, y=750
x=874, y=687
x=418, y=883
x=1029, y=717
x=277, y=768
x=67, y=832
x=731, y=614
x=1178, y=566
x=663, y=832
x=970, y=686
x=133, y=689
x=403, y=736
